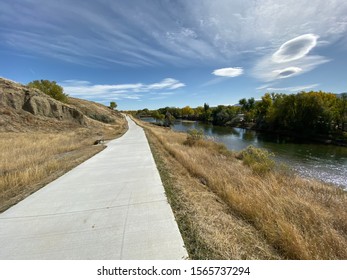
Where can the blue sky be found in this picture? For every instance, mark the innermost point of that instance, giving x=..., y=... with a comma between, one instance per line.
x=157, y=53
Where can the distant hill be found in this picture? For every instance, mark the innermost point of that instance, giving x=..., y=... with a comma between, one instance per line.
x=28, y=109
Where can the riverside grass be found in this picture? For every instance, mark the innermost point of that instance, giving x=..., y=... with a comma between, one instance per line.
x=226, y=210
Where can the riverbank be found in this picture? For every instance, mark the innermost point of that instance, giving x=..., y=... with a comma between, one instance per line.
x=327, y=163
x=337, y=140
x=225, y=210
x=331, y=139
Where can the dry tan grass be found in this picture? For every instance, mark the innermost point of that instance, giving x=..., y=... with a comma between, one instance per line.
x=227, y=211
x=29, y=160
x=37, y=146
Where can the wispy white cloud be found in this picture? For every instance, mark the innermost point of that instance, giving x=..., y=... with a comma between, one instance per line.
x=263, y=86
x=161, y=95
x=89, y=91
x=228, y=72
x=149, y=33
x=293, y=89
x=214, y=81
x=167, y=83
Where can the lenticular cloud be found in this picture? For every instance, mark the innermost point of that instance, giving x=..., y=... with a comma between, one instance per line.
x=287, y=72
x=295, y=48
x=228, y=72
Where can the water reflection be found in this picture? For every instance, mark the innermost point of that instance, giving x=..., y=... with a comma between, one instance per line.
x=249, y=135
x=325, y=162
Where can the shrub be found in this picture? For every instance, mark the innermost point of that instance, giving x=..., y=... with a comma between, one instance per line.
x=169, y=119
x=50, y=88
x=113, y=105
x=260, y=160
x=101, y=118
x=193, y=136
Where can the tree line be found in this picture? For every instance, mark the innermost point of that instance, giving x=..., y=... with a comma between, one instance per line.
x=304, y=113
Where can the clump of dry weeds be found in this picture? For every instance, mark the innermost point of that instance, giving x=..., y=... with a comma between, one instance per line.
x=233, y=212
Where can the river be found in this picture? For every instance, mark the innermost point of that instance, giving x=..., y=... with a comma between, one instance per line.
x=324, y=162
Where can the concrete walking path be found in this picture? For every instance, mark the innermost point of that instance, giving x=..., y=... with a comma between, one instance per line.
x=112, y=206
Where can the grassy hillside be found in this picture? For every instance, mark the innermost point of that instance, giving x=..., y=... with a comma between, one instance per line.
x=41, y=138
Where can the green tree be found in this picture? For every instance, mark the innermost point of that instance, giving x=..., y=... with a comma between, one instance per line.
x=157, y=116
x=248, y=108
x=198, y=113
x=169, y=119
x=175, y=112
x=342, y=109
x=50, y=88
x=243, y=103
x=113, y=105
x=143, y=113
x=306, y=112
x=251, y=103
x=187, y=112
x=207, y=114
x=262, y=109
x=220, y=115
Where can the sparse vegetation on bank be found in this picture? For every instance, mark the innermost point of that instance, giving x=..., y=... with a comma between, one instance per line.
x=228, y=210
